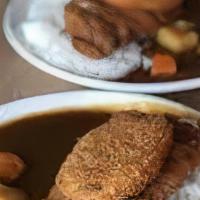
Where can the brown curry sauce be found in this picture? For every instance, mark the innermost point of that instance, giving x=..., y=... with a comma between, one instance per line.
x=43, y=143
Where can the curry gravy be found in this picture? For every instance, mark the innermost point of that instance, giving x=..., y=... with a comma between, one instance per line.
x=43, y=143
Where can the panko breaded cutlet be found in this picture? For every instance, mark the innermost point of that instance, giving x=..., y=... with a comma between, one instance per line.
x=117, y=159
x=183, y=158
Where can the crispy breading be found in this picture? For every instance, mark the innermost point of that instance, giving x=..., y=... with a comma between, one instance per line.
x=183, y=159
x=117, y=159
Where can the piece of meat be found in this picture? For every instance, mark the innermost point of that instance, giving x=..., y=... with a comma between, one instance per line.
x=103, y=28
x=183, y=159
x=56, y=194
x=122, y=28
x=117, y=159
x=95, y=31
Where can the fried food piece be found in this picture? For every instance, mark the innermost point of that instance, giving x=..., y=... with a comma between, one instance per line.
x=117, y=159
x=183, y=159
x=11, y=167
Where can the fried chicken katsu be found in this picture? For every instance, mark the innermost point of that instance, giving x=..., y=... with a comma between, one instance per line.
x=117, y=159
x=182, y=159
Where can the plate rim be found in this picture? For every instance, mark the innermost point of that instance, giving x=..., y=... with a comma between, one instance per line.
x=151, y=88
x=59, y=102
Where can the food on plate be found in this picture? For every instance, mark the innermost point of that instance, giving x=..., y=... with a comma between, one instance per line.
x=99, y=28
x=164, y=65
x=11, y=167
x=117, y=159
x=183, y=159
x=154, y=5
x=9, y=193
x=125, y=155
x=177, y=40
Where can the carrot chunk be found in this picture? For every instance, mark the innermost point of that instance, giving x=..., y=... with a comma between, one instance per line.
x=163, y=65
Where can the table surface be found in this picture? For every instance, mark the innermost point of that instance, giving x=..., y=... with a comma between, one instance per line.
x=19, y=79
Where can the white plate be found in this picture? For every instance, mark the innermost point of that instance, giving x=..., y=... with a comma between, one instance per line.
x=15, y=14
x=104, y=101
x=108, y=101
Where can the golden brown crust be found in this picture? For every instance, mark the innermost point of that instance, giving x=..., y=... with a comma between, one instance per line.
x=118, y=159
x=183, y=159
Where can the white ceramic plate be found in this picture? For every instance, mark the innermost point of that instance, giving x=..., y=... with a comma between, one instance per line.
x=15, y=13
x=108, y=101
x=104, y=101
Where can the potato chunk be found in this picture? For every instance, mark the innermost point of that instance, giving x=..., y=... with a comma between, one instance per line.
x=176, y=40
x=11, y=167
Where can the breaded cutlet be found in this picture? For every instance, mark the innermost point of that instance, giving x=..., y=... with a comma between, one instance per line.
x=118, y=159
x=182, y=160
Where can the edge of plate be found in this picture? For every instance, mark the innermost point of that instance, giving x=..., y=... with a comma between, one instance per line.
x=174, y=86
x=89, y=99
